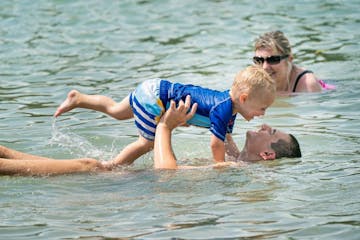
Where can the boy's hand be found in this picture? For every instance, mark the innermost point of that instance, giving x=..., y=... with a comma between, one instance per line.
x=176, y=116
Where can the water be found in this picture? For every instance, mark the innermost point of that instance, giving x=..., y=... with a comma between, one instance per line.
x=108, y=47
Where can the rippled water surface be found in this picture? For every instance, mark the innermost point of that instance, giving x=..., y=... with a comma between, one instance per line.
x=107, y=47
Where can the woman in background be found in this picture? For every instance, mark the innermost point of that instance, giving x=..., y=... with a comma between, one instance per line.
x=273, y=53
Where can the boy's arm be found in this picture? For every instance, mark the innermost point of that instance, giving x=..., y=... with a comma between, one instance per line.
x=217, y=148
x=164, y=157
x=230, y=146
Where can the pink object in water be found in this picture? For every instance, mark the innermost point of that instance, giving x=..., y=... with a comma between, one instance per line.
x=326, y=86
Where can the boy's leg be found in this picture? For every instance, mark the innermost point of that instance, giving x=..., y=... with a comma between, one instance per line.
x=132, y=151
x=100, y=103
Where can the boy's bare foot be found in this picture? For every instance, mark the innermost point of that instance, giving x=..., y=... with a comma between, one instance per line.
x=107, y=165
x=69, y=103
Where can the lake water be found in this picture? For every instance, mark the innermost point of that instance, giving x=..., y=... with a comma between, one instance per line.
x=108, y=47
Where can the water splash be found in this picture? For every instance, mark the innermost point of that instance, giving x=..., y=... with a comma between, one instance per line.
x=75, y=144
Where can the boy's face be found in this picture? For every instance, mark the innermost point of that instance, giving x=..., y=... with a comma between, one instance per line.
x=256, y=105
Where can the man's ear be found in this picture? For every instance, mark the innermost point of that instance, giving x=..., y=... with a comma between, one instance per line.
x=243, y=97
x=271, y=155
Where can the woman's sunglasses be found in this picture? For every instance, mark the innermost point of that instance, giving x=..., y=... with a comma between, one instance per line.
x=272, y=60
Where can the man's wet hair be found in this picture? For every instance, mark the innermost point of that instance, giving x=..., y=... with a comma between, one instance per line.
x=287, y=149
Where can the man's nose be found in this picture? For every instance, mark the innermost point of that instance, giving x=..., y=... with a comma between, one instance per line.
x=265, y=127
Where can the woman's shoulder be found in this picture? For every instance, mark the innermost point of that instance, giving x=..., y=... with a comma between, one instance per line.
x=305, y=81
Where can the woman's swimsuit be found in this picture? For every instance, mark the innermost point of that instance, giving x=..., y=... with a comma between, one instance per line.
x=323, y=84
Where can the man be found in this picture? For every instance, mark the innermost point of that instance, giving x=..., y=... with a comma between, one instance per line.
x=265, y=144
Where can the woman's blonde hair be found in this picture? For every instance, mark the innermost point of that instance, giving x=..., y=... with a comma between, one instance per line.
x=252, y=80
x=275, y=41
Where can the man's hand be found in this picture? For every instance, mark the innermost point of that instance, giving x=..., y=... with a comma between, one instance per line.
x=177, y=116
x=164, y=157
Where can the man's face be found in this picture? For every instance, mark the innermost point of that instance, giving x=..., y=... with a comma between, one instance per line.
x=259, y=142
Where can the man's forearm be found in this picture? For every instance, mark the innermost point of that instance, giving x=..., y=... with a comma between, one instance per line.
x=230, y=147
x=164, y=157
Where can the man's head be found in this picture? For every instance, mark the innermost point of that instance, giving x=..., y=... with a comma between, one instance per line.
x=252, y=92
x=289, y=149
x=269, y=144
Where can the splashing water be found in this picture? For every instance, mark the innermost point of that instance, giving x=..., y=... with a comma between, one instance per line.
x=77, y=145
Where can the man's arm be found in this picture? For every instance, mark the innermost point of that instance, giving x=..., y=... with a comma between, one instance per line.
x=164, y=157
x=231, y=148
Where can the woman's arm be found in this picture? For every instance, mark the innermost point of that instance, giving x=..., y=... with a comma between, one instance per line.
x=308, y=83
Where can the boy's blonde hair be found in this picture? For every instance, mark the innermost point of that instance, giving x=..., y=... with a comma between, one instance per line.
x=253, y=80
